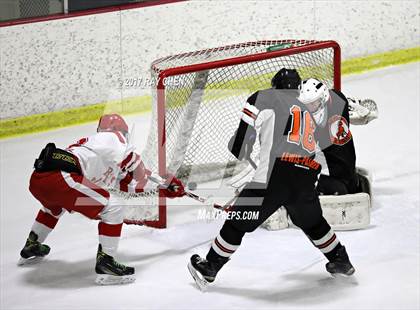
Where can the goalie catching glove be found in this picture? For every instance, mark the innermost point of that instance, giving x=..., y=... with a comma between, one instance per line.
x=173, y=187
x=362, y=112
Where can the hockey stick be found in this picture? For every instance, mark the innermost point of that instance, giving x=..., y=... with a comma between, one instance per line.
x=252, y=163
x=203, y=200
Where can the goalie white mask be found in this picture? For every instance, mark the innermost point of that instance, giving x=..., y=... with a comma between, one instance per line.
x=315, y=95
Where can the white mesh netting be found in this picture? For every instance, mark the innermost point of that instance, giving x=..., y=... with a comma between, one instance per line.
x=139, y=208
x=202, y=108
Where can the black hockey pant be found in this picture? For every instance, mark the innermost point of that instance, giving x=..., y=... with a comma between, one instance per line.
x=289, y=186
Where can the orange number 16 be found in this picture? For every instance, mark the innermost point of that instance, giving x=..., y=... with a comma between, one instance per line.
x=302, y=129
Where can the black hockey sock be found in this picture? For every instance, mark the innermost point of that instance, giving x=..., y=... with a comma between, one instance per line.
x=323, y=237
x=225, y=244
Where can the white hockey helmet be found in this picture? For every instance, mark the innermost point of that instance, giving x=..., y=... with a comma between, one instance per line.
x=315, y=95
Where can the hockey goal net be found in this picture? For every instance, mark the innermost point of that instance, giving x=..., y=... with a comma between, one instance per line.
x=197, y=102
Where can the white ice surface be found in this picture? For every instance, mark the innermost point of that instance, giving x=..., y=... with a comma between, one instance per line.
x=271, y=270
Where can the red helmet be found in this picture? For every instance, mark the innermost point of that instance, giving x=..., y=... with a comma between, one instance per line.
x=112, y=122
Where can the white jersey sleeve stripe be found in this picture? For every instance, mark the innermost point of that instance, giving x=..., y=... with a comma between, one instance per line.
x=249, y=114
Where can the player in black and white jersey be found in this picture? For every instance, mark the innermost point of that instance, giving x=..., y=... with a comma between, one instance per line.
x=286, y=175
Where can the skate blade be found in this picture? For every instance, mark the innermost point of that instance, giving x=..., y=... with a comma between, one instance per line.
x=29, y=261
x=198, y=278
x=343, y=275
x=107, y=279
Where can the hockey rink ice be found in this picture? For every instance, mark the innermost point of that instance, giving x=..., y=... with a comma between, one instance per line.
x=271, y=270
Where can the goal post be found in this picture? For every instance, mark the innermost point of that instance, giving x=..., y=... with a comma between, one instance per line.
x=197, y=101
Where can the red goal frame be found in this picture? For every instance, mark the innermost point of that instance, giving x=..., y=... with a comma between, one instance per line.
x=161, y=126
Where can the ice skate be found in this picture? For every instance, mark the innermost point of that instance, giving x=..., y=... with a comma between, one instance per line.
x=33, y=251
x=341, y=264
x=203, y=271
x=110, y=272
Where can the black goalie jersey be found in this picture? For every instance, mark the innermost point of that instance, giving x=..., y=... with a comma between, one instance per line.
x=336, y=141
x=285, y=129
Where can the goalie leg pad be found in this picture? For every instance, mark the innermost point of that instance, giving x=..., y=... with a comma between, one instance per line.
x=278, y=220
x=364, y=180
x=347, y=212
x=342, y=212
x=240, y=180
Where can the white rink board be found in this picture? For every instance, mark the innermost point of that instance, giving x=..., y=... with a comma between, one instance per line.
x=85, y=58
x=271, y=270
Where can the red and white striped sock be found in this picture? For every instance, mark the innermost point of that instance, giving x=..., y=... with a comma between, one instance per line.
x=109, y=237
x=44, y=223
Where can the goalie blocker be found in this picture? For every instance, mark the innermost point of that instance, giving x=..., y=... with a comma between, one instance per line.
x=342, y=212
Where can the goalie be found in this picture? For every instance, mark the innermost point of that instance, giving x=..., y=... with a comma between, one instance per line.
x=333, y=118
x=335, y=141
x=77, y=179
